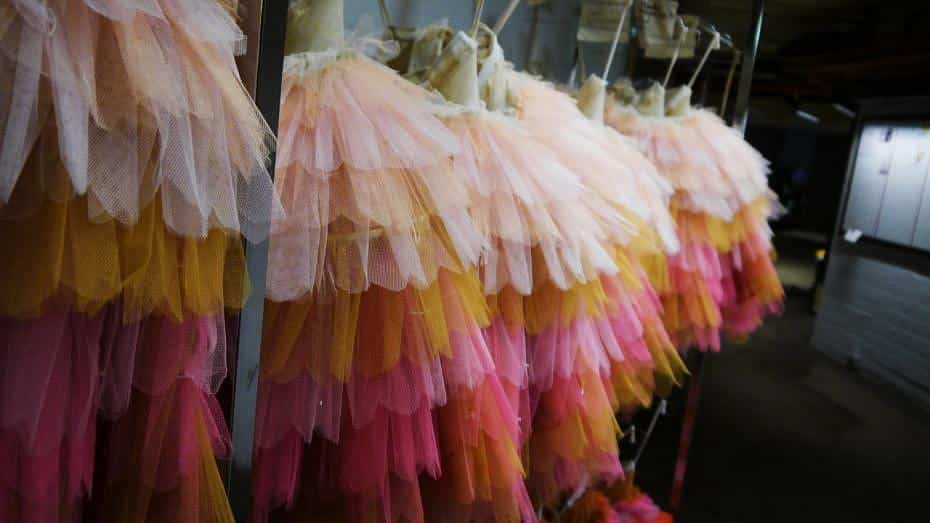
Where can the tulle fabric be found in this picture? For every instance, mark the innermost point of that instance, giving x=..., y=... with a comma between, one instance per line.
x=525, y=202
x=722, y=279
x=712, y=168
x=623, y=188
x=63, y=371
x=125, y=83
x=367, y=179
x=63, y=258
x=420, y=401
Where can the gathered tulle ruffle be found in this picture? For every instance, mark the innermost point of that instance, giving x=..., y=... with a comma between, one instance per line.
x=526, y=205
x=361, y=369
x=63, y=258
x=161, y=459
x=64, y=370
x=623, y=189
x=367, y=182
x=574, y=438
x=144, y=104
x=705, y=163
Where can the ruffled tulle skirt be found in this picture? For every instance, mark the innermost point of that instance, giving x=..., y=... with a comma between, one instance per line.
x=366, y=178
x=142, y=105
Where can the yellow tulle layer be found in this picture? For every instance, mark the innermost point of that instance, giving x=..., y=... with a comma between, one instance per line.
x=61, y=254
x=655, y=265
x=721, y=234
x=335, y=335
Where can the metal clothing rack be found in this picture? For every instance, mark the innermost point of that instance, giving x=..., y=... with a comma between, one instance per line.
x=740, y=118
x=266, y=24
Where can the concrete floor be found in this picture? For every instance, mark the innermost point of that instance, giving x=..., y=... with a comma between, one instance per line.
x=786, y=435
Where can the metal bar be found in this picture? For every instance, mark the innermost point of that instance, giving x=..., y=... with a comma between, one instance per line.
x=687, y=432
x=741, y=107
x=245, y=388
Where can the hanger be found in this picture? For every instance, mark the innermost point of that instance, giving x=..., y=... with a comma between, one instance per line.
x=386, y=18
x=683, y=32
x=713, y=45
x=613, y=44
x=737, y=56
x=479, y=7
x=505, y=16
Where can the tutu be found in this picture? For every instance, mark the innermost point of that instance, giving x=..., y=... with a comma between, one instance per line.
x=367, y=181
x=723, y=277
x=123, y=86
x=373, y=336
x=131, y=161
x=612, y=170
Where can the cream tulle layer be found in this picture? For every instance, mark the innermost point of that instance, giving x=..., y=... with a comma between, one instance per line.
x=709, y=164
x=527, y=206
x=623, y=187
x=367, y=180
x=126, y=83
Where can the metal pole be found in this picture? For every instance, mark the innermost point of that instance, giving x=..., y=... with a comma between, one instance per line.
x=245, y=388
x=741, y=107
x=740, y=117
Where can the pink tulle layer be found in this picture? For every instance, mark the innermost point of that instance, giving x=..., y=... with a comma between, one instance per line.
x=58, y=372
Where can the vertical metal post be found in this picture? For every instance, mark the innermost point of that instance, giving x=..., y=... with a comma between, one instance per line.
x=741, y=107
x=698, y=367
x=245, y=387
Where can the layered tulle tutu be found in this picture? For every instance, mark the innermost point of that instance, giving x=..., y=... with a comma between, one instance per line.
x=131, y=162
x=364, y=173
x=615, y=174
x=124, y=84
x=375, y=373
x=723, y=277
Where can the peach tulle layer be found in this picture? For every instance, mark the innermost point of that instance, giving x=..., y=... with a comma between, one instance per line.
x=528, y=207
x=366, y=174
x=710, y=166
x=138, y=100
x=64, y=257
x=623, y=187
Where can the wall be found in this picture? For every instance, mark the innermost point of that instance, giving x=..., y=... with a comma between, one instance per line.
x=875, y=312
x=555, y=40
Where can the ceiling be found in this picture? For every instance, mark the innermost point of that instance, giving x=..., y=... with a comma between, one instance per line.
x=831, y=49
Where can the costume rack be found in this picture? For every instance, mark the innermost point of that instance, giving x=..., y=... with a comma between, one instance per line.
x=264, y=22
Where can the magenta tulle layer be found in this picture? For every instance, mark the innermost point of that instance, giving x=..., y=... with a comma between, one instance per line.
x=63, y=373
x=381, y=449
